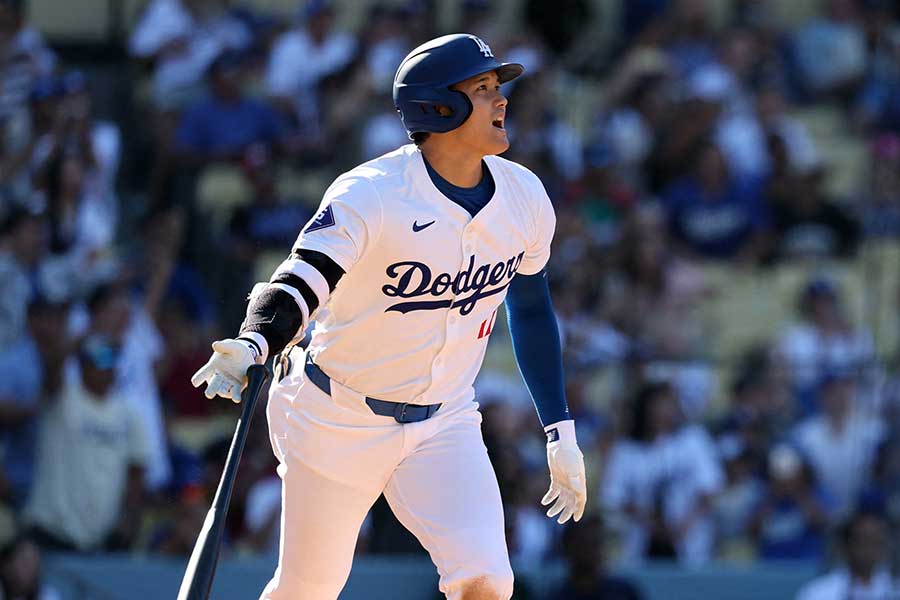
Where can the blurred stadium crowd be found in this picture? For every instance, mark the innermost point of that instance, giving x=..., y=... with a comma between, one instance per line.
x=726, y=271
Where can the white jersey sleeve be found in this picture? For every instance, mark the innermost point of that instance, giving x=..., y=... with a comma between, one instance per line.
x=348, y=222
x=544, y=220
x=335, y=239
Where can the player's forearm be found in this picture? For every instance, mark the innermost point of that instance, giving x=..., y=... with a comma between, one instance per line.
x=279, y=311
x=536, y=344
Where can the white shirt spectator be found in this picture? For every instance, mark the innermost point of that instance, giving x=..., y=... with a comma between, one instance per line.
x=297, y=64
x=680, y=468
x=841, y=459
x=838, y=585
x=184, y=46
x=85, y=448
x=742, y=139
x=808, y=352
x=264, y=505
x=136, y=381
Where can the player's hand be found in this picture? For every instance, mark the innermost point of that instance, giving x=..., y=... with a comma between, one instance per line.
x=567, y=480
x=225, y=374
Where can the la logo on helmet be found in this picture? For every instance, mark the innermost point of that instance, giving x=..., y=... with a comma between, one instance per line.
x=482, y=47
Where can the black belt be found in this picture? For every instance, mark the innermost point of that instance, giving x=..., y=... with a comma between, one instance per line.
x=403, y=412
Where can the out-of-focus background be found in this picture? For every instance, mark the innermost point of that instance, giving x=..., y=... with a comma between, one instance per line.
x=726, y=271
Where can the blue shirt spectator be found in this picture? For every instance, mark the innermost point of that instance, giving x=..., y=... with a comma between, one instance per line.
x=22, y=374
x=714, y=215
x=223, y=125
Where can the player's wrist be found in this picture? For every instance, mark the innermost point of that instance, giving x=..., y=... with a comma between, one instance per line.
x=561, y=432
x=256, y=342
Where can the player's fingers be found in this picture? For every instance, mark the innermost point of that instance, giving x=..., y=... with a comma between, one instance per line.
x=202, y=374
x=221, y=347
x=566, y=515
x=579, y=510
x=551, y=495
x=234, y=391
x=217, y=386
x=557, y=506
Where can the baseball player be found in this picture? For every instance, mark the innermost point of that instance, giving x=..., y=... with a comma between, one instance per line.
x=403, y=270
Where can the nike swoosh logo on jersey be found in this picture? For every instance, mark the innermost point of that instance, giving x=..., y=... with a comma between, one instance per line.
x=417, y=227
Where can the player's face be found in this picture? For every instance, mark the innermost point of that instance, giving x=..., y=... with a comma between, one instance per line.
x=483, y=131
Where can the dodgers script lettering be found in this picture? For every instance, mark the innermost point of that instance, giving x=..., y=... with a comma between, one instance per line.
x=415, y=280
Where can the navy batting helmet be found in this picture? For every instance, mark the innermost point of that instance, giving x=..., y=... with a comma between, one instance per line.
x=424, y=78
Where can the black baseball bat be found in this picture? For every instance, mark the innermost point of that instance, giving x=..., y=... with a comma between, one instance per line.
x=201, y=568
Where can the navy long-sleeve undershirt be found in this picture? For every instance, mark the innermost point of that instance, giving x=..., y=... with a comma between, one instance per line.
x=535, y=341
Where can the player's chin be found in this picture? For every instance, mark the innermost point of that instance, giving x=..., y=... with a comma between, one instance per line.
x=499, y=142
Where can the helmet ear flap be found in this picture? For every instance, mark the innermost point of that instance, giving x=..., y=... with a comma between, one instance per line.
x=462, y=107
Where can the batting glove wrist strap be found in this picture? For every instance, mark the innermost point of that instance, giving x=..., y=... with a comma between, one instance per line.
x=568, y=486
x=258, y=345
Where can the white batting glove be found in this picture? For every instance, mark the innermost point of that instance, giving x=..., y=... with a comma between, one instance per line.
x=225, y=374
x=567, y=480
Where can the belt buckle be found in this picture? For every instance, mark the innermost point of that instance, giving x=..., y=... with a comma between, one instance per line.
x=400, y=412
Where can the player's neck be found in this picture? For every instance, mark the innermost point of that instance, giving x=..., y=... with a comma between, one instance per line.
x=459, y=168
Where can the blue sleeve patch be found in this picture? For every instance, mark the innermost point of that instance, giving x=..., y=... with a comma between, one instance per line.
x=324, y=219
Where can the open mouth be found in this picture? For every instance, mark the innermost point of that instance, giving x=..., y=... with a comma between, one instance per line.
x=498, y=123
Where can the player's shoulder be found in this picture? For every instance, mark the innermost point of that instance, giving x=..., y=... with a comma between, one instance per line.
x=377, y=172
x=387, y=165
x=366, y=184
x=519, y=172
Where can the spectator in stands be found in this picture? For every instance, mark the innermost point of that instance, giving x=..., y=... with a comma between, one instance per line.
x=830, y=51
x=744, y=137
x=91, y=454
x=878, y=103
x=691, y=39
x=82, y=223
x=631, y=127
x=21, y=572
x=735, y=506
x=791, y=519
x=821, y=340
x=542, y=140
x=23, y=248
x=879, y=200
x=182, y=38
x=129, y=323
x=99, y=139
x=663, y=477
x=714, y=216
x=840, y=441
x=808, y=226
x=301, y=58
x=652, y=296
x=224, y=125
x=760, y=409
x=270, y=222
x=23, y=379
x=262, y=516
x=25, y=55
x=883, y=491
x=865, y=574
x=586, y=579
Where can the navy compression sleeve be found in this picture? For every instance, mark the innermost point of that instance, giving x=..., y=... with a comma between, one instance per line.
x=535, y=341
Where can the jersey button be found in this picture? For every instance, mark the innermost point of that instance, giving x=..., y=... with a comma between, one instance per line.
x=453, y=319
x=438, y=361
x=468, y=248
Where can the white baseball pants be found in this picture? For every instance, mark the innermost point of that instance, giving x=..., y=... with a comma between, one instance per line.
x=336, y=457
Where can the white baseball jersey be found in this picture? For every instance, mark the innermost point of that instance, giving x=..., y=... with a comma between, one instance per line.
x=410, y=319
